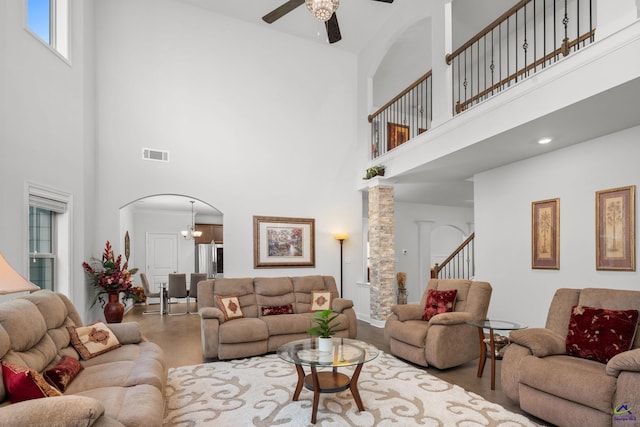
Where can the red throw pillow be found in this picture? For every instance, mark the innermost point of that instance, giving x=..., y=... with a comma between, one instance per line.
x=22, y=383
x=63, y=373
x=439, y=302
x=599, y=334
x=276, y=309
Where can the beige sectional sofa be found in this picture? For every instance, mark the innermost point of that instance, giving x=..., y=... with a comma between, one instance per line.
x=254, y=333
x=121, y=387
x=540, y=374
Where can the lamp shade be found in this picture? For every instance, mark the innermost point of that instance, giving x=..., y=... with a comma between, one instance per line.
x=11, y=281
x=341, y=236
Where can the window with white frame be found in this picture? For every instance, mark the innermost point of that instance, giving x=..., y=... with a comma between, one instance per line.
x=49, y=242
x=49, y=21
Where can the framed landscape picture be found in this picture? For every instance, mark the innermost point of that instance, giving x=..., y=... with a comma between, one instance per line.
x=396, y=135
x=615, y=229
x=545, y=234
x=283, y=242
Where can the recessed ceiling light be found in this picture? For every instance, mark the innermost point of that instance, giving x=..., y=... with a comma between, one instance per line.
x=544, y=140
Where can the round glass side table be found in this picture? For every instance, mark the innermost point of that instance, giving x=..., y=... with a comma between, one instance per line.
x=491, y=325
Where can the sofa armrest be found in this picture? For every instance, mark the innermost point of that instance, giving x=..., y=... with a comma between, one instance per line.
x=68, y=410
x=211, y=313
x=341, y=304
x=453, y=318
x=407, y=311
x=625, y=361
x=541, y=342
x=127, y=333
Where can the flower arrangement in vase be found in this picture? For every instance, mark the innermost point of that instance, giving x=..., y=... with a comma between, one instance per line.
x=109, y=276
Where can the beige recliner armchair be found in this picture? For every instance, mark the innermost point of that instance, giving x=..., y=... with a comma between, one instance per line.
x=446, y=340
x=539, y=374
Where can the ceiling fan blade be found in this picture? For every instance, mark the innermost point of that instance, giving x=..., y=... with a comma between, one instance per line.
x=385, y=1
x=282, y=10
x=333, y=30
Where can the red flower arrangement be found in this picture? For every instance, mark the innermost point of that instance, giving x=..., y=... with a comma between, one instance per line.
x=109, y=276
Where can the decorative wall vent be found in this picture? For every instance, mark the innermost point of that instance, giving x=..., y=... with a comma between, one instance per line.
x=157, y=155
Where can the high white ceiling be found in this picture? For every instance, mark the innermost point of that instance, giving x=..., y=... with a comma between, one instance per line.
x=359, y=20
x=447, y=181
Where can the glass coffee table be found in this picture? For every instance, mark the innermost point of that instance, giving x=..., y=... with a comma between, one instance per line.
x=491, y=325
x=346, y=352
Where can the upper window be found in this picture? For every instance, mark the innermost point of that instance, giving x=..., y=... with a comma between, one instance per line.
x=49, y=20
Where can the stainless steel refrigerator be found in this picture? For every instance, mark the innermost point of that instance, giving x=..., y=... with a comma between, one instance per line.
x=209, y=259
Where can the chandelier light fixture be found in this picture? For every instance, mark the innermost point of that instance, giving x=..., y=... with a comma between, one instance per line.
x=322, y=9
x=191, y=232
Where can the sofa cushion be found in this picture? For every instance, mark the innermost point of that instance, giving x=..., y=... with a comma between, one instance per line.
x=412, y=332
x=273, y=291
x=578, y=380
x=302, y=288
x=276, y=309
x=439, y=302
x=599, y=334
x=63, y=373
x=130, y=406
x=93, y=340
x=320, y=300
x=287, y=324
x=243, y=289
x=22, y=383
x=247, y=329
x=230, y=306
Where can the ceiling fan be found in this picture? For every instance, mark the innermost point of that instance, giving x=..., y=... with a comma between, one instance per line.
x=324, y=10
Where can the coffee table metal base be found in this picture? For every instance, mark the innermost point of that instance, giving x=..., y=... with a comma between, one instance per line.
x=327, y=382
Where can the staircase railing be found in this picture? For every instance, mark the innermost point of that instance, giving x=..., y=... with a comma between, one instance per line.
x=408, y=114
x=527, y=38
x=460, y=264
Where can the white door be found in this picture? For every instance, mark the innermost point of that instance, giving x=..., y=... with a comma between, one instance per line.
x=162, y=258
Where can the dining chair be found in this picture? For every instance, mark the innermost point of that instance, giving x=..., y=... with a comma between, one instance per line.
x=193, y=288
x=148, y=293
x=177, y=289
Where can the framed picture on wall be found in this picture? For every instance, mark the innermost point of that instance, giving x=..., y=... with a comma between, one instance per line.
x=283, y=242
x=396, y=135
x=545, y=234
x=615, y=229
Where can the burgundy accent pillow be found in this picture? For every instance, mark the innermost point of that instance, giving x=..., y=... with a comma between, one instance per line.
x=63, y=373
x=599, y=334
x=277, y=309
x=22, y=383
x=439, y=302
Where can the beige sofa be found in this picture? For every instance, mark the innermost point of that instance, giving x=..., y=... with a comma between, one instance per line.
x=254, y=334
x=446, y=340
x=565, y=390
x=122, y=387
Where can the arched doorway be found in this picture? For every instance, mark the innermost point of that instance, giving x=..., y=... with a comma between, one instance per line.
x=159, y=229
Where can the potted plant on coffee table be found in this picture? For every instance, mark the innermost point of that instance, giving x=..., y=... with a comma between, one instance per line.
x=324, y=329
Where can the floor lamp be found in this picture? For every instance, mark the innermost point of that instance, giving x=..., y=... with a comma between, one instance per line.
x=341, y=237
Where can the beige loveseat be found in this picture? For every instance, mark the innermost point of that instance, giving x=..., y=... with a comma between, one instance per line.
x=122, y=387
x=565, y=390
x=254, y=333
x=446, y=340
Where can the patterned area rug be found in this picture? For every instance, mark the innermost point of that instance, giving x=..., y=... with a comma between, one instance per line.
x=257, y=392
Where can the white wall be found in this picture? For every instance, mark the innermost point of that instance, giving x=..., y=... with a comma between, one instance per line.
x=45, y=132
x=256, y=122
x=503, y=199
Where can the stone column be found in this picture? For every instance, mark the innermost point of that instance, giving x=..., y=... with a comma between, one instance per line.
x=382, y=253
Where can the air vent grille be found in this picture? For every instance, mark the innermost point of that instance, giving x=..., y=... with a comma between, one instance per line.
x=155, y=155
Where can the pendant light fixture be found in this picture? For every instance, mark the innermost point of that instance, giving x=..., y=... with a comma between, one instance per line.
x=191, y=232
